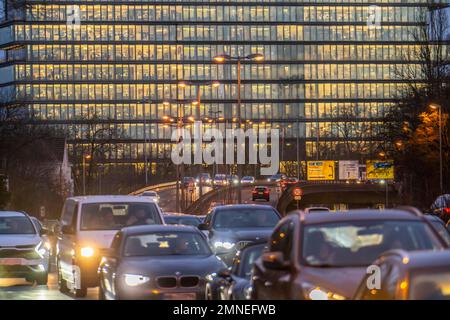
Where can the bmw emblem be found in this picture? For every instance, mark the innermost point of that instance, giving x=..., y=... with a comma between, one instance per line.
x=178, y=273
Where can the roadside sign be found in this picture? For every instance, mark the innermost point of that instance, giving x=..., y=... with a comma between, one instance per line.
x=348, y=170
x=297, y=192
x=380, y=169
x=320, y=170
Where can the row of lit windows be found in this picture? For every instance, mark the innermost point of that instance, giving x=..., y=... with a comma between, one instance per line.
x=274, y=2
x=214, y=33
x=220, y=13
x=207, y=52
x=254, y=112
x=140, y=72
x=226, y=91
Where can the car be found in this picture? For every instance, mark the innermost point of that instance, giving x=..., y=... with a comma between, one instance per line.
x=439, y=225
x=277, y=178
x=46, y=235
x=23, y=251
x=421, y=275
x=188, y=182
x=261, y=192
x=248, y=180
x=220, y=180
x=204, y=179
x=289, y=182
x=157, y=262
x=184, y=219
x=234, y=283
x=88, y=225
x=325, y=255
x=232, y=179
x=152, y=195
x=231, y=227
x=441, y=207
x=316, y=209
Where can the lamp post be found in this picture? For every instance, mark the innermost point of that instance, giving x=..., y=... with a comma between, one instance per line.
x=256, y=57
x=179, y=125
x=85, y=157
x=438, y=107
x=198, y=85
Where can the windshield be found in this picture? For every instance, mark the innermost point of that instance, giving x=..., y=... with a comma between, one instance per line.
x=16, y=225
x=187, y=221
x=440, y=228
x=430, y=285
x=248, y=258
x=360, y=243
x=115, y=216
x=166, y=244
x=245, y=218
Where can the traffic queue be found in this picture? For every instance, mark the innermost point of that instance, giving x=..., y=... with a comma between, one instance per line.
x=130, y=249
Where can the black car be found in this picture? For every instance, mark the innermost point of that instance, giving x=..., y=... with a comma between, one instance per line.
x=157, y=262
x=183, y=219
x=232, y=227
x=235, y=284
x=420, y=275
x=261, y=192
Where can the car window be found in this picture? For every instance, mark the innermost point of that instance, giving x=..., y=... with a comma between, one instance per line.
x=359, y=243
x=16, y=225
x=245, y=218
x=166, y=244
x=281, y=239
x=248, y=258
x=69, y=212
x=443, y=232
x=114, y=216
x=430, y=284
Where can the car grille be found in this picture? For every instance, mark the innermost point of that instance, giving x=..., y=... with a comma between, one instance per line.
x=25, y=253
x=242, y=244
x=174, y=282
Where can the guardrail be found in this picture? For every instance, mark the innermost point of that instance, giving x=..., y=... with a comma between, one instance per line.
x=158, y=187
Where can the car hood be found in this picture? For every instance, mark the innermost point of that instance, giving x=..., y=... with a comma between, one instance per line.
x=12, y=240
x=343, y=281
x=243, y=234
x=171, y=265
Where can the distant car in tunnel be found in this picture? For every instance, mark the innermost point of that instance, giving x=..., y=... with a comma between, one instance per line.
x=248, y=180
x=316, y=209
x=278, y=178
x=152, y=195
x=157, y=262
x=231, y=227
x=261, y=192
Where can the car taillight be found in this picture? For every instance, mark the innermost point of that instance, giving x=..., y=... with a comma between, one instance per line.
x=266, y=192
x=254, y=191
x=446, y=210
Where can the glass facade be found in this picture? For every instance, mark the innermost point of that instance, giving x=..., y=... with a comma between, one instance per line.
x=329, y=75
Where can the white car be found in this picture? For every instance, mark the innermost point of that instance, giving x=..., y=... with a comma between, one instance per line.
x=88, y=226
x=23, y=251
x=153, y=195
x=248, y=180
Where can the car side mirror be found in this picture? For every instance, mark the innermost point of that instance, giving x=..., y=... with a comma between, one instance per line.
x=274, y=260
x=224, y=273
x=203, y=227
x=67, y=229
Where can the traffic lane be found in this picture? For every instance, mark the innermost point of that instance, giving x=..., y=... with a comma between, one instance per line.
x=19, y=289
x=167, y=200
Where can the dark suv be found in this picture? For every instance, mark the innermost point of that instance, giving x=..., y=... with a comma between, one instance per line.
x=325, y=255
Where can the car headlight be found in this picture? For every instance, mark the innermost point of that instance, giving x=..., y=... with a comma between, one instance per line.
x=87, y=252
x=318, y=293
x=248, y=292
x=134, y=280
x=40, y=249
x=227, y=245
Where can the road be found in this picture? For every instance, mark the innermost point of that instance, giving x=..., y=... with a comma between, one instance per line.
x=167, y=198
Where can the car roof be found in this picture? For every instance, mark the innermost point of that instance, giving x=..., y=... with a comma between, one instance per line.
x=154, y=228
x=422, y=259
x=12, y=214
x=244, y=206
x=357, y=215
x=110, y=198
x=180, y=215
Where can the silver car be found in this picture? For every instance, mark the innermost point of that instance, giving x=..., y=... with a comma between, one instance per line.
x=23, y=251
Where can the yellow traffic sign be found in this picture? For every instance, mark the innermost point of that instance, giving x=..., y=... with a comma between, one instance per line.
x=380, y=169
x=321, y=170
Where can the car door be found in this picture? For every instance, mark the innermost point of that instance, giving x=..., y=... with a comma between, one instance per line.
x=109, y=264
x=274, y=283
x=66, y=240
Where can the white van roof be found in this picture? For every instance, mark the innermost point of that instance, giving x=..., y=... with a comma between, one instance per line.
x=119, y=198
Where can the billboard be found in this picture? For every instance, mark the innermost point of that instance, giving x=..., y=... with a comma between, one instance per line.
x=380, y=169
x=320, y=170
x=348, y=170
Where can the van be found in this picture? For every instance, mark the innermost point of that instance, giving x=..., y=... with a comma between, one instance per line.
x=87, y=227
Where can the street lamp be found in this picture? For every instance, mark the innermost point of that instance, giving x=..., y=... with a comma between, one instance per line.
x=198, y=85
x=438, y=107
x=85, y=157
x=256, y=57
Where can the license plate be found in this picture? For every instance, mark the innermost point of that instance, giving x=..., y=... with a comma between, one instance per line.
x=260, y=193
x=180, y=296
x=11, y=261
